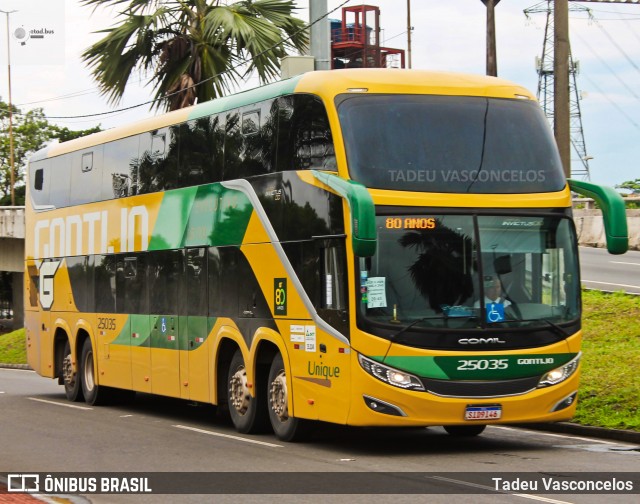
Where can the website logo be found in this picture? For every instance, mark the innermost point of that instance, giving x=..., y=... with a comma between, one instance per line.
x=23, y=483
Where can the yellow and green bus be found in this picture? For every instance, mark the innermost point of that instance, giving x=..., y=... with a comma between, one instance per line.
x=365, y=247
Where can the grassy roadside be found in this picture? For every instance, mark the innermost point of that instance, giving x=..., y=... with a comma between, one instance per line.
x=13, y=348
x=609, y=391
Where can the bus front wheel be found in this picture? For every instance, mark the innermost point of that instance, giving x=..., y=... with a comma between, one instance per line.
x=247, y=413
x=71, y=379
x=285, y=427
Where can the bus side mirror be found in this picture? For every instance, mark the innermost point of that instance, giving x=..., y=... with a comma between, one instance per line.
x=614, y=213
x=362, y=210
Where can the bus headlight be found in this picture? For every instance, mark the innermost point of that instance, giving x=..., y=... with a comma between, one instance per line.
x=561, y=373
x=390, y=375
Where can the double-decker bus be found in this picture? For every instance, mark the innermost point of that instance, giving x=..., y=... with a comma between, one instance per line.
x=362, y=247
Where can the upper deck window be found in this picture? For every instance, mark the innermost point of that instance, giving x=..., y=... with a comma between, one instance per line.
x=449, y=144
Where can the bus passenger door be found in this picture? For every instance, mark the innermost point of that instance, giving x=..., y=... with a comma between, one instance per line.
x=132, y=299
x=165, y=359
x=194, y=348
x=165, y=270
x=113, y=330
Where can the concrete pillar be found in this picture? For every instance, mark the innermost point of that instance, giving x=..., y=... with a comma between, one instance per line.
x=18, y=300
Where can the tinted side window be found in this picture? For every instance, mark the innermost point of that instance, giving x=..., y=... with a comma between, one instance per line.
x=39, y=178
x=194, y=295
x=215, y=294
x=259, y=124
x=86, y=175
x=118, y=174
x=156, y=167
x=164, y=272
x=81, y=277
x=60, y=184
x=131, y=283
x=201, y=148
x=304, y=135
x=105, y=283
x=233, y=142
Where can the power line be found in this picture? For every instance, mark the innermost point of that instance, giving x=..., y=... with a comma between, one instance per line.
x=622, y=51
x=240, y=64
x=617, y=107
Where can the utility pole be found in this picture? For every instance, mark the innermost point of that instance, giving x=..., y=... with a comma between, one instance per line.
x=408, y=33
x=492, y=61
x=11, y=161
x=320, y=38
x=561, y=126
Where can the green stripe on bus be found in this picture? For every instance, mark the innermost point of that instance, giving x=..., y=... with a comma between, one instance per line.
x=481, y=367
x=189, y=332
x=207, y=215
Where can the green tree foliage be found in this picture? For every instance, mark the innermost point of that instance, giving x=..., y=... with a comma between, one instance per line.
x=181, y=43
x=634, y=187
x=631, y=185
x=31, y=131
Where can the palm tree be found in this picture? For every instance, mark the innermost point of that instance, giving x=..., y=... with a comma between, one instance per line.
x=194, y=50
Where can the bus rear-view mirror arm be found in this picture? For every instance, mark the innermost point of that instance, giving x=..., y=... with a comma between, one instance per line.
x=613, y=213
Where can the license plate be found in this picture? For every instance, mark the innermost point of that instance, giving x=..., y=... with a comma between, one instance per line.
x=483, y=412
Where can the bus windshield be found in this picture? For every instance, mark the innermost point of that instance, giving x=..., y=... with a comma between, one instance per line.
x=462, y=272
x=458, y=144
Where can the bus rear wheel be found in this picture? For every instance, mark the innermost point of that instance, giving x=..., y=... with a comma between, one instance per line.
x=94, y=394
x=247, y=413
x=71, y=379
x=285, y=427
x=464, y=430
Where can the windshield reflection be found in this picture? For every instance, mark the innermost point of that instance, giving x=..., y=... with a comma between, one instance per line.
x=432, y=272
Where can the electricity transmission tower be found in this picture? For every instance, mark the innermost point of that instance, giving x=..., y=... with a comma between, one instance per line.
x=545, y=69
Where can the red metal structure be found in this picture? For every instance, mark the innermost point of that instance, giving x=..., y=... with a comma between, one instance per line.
x=354, y=44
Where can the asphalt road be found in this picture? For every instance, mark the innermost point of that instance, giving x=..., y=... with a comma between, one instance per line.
x=41, y=432
x=603, y=271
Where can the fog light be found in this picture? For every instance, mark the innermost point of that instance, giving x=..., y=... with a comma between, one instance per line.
x=565, y=403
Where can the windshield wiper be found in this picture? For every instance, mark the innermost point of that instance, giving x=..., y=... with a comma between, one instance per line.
x=553, y=325
x=417, y=321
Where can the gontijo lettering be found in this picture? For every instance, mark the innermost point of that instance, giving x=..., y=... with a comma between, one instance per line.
x=62, y=236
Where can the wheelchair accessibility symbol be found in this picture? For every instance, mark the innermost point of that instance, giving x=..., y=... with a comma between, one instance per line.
x=163, y=325
x=495, y=312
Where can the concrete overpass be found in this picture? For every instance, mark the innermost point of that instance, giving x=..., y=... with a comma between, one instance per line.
x=12, y=257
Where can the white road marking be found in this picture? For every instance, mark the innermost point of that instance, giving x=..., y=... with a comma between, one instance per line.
x=564, y=436
x=1, y=391
x=59, y=403
x=228, y=436
x=614, y=284
x=620, y=262
x=524, y=496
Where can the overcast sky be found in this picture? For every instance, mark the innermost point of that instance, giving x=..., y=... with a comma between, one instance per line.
x=447, y=35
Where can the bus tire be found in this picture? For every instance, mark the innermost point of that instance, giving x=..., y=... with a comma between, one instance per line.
x=464, y=430
x=285, y=427
x=71, y=380
x=94, y=394
x=247, y=413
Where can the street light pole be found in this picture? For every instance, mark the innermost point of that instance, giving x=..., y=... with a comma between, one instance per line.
x=409, y=33
x=11, y=159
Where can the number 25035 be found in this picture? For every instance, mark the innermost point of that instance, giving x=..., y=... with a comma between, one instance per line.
x=108, y=324
x=482, y=364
